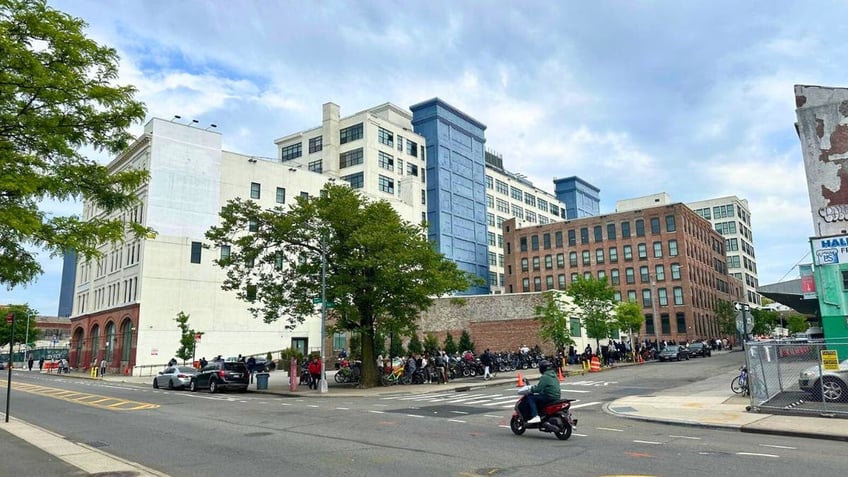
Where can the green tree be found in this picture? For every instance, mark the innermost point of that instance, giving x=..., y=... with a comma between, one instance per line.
x=764, y=321
x=23, y=313
x=725, y=315
x=450, y=346
x=796, y=323
x=395, y=345
x=56, y=97
x=188, y=338
x=431, y=344
x=414, y=345
x=628, y=316
x=594, y=300
x=381, y=272
x=465, y=343
x=554, y=319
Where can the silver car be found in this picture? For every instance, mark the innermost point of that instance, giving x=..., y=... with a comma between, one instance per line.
x=833, y=387
x=174, y=377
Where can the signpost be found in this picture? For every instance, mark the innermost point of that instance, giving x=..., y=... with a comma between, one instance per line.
x=10, y=320
x=830, y=360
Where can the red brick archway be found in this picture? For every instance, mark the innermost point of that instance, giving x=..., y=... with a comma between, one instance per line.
x=108, y=335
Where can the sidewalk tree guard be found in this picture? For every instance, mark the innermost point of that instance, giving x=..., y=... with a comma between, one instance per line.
x=379, y=272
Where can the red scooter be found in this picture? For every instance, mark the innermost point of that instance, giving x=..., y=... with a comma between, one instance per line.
x=556, y=417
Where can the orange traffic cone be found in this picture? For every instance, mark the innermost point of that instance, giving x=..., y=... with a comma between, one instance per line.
x=559, y=374
x=640, y=358
x=520, y=383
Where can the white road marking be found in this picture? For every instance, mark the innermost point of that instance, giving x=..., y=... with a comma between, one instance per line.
x=648, y=442
x=609, y=429
x=585, y=404
x=285, y=404
x=455, y=420
x=492, y=415
x=311, y=405
x=685, y=437
x=502, y=425
x=576, y=391
x=778, y=447
x=754, y=454
x=377, y=412
x=342, y=408
x=501, y=401
x=576, y=434
x=459, y=412
x=413, y=415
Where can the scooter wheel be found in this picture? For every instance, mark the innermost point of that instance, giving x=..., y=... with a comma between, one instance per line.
x=518, y=427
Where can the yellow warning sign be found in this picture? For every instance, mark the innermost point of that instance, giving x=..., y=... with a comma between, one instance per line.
x=830, y=360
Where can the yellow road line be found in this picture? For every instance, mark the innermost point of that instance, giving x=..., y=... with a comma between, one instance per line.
x=86, y=399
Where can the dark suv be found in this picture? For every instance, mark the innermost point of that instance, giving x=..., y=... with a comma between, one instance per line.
x=218, y=376
x=699, y=349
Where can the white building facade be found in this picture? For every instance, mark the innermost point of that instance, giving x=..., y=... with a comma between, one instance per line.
x=125, y=304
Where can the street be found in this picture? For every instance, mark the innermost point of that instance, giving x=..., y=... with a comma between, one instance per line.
x=438, y=433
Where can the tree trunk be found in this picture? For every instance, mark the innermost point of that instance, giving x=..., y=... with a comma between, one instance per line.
x=369, y=377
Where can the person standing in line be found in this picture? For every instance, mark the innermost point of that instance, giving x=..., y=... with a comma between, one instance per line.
x=30, y=362
x=251, y=367
x=103, y=366
x=41, y=364
x=486, y=361
x=314, y=369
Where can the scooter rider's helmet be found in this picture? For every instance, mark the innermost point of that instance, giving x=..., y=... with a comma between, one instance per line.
x=544, y=365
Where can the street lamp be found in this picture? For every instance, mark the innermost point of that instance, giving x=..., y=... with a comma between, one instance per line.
x=656, y=317
x=322, y=383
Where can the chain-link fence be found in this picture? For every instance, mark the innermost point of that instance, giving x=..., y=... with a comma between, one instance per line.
x=791, y=377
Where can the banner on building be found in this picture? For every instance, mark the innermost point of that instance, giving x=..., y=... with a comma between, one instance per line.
x=808, y=281
x=829, y=250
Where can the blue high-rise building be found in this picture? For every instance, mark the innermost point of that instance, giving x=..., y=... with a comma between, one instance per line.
x=456, y=185
x=581, y=199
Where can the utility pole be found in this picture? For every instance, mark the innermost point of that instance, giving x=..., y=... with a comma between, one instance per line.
x=10, y=319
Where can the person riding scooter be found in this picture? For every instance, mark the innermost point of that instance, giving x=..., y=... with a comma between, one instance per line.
x=543, y=393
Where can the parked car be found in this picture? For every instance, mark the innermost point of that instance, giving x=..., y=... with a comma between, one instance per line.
x=672, y=352
x=174, y=377
x=218, y=376
x=699, y=349
x=832, y=388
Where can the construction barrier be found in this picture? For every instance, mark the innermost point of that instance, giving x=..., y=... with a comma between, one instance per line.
x=596, y=365
x=93, y=371
x=585, y=364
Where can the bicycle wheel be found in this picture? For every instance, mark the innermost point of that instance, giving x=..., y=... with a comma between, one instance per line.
x=736, y=386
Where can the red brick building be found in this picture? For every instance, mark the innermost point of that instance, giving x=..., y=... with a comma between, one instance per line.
x=667, y=258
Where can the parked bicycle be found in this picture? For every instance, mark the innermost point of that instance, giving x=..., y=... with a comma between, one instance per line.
x=739, y=385
x=395, y=377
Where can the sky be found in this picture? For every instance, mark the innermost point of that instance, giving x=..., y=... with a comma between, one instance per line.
x=694, y=99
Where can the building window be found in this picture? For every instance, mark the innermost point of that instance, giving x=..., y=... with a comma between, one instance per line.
x=659, y=273
x=490, y=183
x=672, y=248
x=517, y=212
x=610, y=231
x=536, y=264
x=549, y=282
x=655, y=225
x=675, y=271
x=597, y=231
x=350, y=134
x=490, y=219
x=845, y=280
x=350, y=158
x=678, y=295
x=255, y=190
x=501, y=187
x=515, y=193
x=662, y=296
x=644, y=276
x=549, y=262
x=546, y=241
x=646, y=298
x=625, y=230
x=613, y=255
x=602, y=275
x=525, y=284
x=411, y=148
x=628, y=253
x=631, y=296
x=491, y=236
x=643, y=251
x=599, y=255
x=493, y=259
x=561, y=281
x=574, y=276
x=560, y=258
x=542, y=204
x=386, y=184
x=537, y=284
x=629, y=276
x=572, y=259
x=253, y=226
x=412, y=169
x=530, y=199
x=664, y=324
x=558, y=238
x=281, y=195
x=386, y=137
x=575, y=327
x=316, y=144
x=670, y=226
x=640, y=228
x=658, y=250
x=386, y=161
x=316, y=166
x=681, y=323
x=525, y=264
x=534, y=242
x=586, y=258
x=225, y=252
x=356, y=181
x=291, y=152
x=523, y=244
x=615, y=279
x=572, y=238
x=584, y=235
x=196, y=247
x=649, y=324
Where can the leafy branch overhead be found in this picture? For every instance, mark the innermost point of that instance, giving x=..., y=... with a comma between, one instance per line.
x=57, y=96
x=381, y=271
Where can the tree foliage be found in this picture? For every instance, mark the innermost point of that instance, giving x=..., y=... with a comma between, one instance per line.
x=465, y=343
x=56, y=97
x=188, y=338
x=23, y=313
x=594, y=299
x=450, y=345
x=431, y=344
x=725, y=315
x=554, y=318
x=381, y=272
x=764, y=321
x=628, y=316
x=415, y=345
x=797, y=323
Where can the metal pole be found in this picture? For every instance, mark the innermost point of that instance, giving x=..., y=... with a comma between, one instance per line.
x=322, y=383
x=26, y=343
x=9, y=379
x=654, y=311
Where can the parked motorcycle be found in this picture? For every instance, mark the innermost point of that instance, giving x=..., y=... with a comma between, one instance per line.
x=555, y=417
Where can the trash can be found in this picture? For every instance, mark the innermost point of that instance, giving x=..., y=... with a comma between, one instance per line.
x=262, y=380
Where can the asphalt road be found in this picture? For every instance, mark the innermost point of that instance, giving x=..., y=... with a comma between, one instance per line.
x=448, y=433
